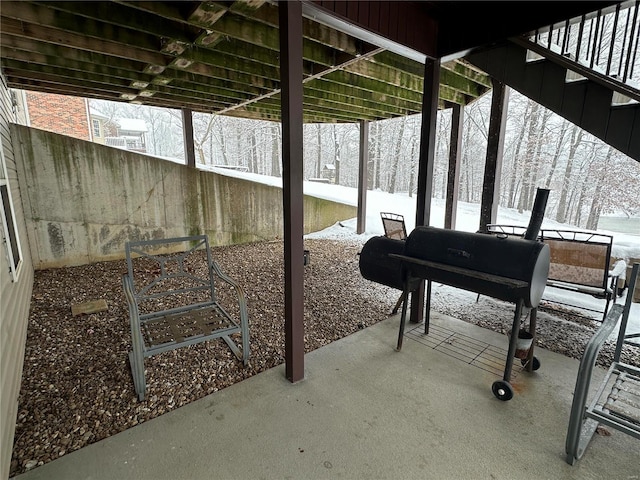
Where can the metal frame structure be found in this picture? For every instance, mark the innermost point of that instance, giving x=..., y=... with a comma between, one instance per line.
x=226, y=58
x=196, y=314
x=600, y=246
x=394, y=227
x=616, y=402
x=524, y=290
x=393, y=224
x=501, y=389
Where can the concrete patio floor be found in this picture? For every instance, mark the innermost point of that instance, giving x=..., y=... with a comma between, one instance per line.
x=366, y=411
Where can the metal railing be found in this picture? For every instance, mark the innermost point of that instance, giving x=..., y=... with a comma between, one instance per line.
x=605, y=41
x=126, y=143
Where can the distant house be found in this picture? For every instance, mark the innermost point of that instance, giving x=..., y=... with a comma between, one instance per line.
x=329, y=172
x=130, y=135
x=72, y=116
x=62, y=114
x=99, y=126
x=125, y=133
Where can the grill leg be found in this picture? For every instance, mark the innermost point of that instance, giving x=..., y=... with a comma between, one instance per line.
x=428, y=309
x=403, y=317
x=533, y=315
x=398, y=303
x=512, y=341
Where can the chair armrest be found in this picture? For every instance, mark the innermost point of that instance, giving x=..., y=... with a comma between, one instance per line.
x=584, y=377
x=618, y=269
x=242, y=302
x=137, y=342
x=127, y=287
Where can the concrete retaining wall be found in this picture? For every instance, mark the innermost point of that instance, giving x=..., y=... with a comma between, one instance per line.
x=83, y=201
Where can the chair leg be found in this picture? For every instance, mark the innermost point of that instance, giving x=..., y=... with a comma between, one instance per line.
x=606, y=305
x=136, y=361
x=137, y=372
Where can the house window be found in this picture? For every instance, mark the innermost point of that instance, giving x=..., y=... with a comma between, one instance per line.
x=96, y=128
x=9, y=229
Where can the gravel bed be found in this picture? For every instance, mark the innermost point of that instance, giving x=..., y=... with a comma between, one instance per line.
x=77, y=387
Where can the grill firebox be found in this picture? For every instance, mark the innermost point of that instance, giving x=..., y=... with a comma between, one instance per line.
x=379, y=264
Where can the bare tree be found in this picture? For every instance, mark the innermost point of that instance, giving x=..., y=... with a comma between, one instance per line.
x=275, y=152
x=515, y=164
x=528, y=165
x=556, y=155
x=576, y=138
x=538, y=163
x=413, y=157
x=376, y=183
x=202, y=135
x=597, y=202
x=396, y=155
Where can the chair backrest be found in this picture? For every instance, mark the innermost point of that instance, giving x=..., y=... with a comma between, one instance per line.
x=509, y=230
x=579, y=257
x=177, y=270
x=394, y=227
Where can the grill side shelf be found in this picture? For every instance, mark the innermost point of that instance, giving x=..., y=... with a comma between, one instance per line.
x=488, y=277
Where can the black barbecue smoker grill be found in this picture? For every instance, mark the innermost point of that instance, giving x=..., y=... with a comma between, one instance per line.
x=499, y=266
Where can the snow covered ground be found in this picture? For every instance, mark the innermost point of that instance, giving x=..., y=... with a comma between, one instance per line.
x=468, y=216
x=468, y=219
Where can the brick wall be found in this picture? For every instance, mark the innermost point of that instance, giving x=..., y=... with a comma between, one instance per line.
x=59, y=113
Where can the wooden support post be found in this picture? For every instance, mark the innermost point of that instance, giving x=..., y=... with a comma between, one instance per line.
x=426, y=164
x=187, y=132
x=362, y=177
x=290, y=17
x=453, y=174
x=495, y=145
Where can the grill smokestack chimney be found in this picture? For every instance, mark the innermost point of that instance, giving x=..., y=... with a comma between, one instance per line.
x=537, y=214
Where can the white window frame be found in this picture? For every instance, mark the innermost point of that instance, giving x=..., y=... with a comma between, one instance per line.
x=97, y=128
x=9, y=231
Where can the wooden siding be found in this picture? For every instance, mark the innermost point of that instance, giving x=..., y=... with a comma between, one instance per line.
x=15, y=299
x=403, y=22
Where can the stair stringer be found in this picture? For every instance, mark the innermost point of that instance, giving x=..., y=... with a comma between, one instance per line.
x=585, y=103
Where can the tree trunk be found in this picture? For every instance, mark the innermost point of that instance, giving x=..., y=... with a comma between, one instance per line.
x=515, y=164
x=596, y=203
x=377, y=157
x=223, y=146
x=570, y=205
x=412, y=165
x=253, y=166
x=319, y=156
x=336, y=158
x=200, y=151
x=577, y=218
x=275, y=152
x=466, y=168
x=537, y=163
x=528, y=166
x=396, y=157
x=576, y=138
x=556, y=155
x=371, y=165
x=597, y=211
x=211, y=158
